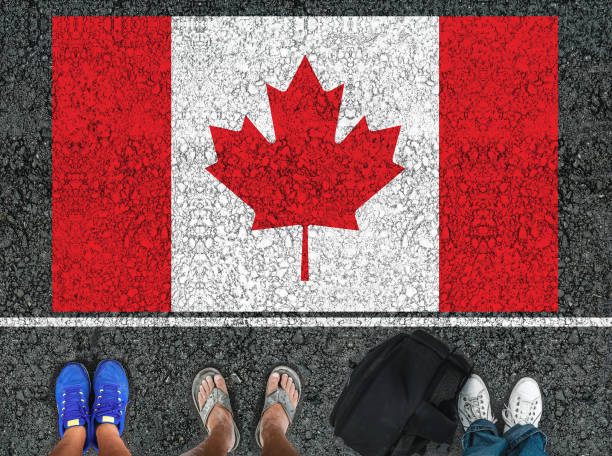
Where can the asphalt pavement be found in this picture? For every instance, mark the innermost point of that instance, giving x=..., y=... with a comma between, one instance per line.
x=572, y=367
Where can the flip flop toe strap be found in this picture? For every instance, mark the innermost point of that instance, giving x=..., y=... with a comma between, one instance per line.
x=280, y=396
x=215, y=397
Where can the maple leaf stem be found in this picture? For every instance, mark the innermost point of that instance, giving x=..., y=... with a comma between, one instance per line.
x=305, y=253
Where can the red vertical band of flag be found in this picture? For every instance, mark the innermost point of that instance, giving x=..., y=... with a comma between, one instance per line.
x=498, y=164
x=111, y=163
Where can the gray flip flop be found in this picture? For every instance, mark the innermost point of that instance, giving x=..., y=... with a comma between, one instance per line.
x=279, y=396
x=215, y=397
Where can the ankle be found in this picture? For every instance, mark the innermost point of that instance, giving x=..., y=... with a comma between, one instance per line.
x=77, y=433
x=106, y=430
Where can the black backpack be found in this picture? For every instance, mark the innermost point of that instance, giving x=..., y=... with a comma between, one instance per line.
x=401, y=396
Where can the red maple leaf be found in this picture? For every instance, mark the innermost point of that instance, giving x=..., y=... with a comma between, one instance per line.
x=305, y=177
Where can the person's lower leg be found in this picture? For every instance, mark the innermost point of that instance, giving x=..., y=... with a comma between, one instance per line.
x=275, y=421
x=220, y=425
x=215, y=444
x=275, y=442
x=109, y=441
x=71, y=443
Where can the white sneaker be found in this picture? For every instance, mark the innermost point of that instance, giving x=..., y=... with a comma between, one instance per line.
x=474, y=402
x=524, y=405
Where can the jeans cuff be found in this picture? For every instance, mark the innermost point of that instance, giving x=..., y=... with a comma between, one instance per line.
x=517, y=434
x=478, y=426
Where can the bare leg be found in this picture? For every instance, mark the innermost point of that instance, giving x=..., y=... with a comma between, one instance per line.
x=276, y=443
x=221, y=436
x=275, y=421
x=109, y=441
x=72, y=443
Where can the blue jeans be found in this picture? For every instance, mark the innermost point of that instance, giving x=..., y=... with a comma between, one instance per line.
x=482, y=439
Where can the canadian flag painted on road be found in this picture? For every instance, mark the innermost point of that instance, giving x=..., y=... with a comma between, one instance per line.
x=310, y=164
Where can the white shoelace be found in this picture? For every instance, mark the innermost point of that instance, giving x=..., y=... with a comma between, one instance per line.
x=475, y=409
x=523, y=412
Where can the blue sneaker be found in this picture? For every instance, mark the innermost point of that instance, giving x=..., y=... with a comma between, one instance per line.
x=111, y=393
x=72, y=398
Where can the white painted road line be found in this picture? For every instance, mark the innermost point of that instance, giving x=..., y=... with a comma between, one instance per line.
x=297, y=321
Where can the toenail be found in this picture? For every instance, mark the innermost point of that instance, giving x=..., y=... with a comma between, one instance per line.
x=275, y=375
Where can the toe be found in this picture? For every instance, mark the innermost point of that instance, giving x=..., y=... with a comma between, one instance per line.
x=205, y=386
x=273, y=382
x=284, y=380
x=220, y=383
x=292, y=393
x=201, y=398
x=294, y=396
x=211, y=383
x=202, y=395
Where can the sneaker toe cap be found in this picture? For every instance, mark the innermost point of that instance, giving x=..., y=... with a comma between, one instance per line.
x=528, y=389
x=473, y=386
x=72, y=375
x=111, y=372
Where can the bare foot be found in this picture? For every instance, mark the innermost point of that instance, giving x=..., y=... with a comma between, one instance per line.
x=220, y=419
x=275, y=419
